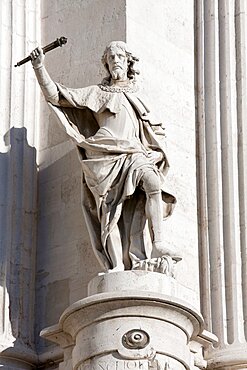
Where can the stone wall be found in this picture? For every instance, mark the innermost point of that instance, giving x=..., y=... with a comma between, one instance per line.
x=162, y=34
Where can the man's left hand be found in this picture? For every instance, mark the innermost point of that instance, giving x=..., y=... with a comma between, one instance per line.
x=155, y=157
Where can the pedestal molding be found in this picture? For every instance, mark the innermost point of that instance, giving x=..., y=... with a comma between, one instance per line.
x=231, y=357
x=132, y=299
x=93, y=327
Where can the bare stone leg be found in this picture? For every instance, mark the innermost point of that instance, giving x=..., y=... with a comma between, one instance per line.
x=154, y=212
x=155, y=220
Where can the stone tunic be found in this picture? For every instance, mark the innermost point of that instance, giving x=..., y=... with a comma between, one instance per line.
x=122, y=125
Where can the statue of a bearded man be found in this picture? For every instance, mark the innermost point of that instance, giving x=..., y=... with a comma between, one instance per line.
x=122, y=157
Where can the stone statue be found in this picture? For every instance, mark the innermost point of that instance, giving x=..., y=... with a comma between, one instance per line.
x=123, y=162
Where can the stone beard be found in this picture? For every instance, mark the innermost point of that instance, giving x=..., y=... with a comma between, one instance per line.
x=123, y=164
x=117, y=74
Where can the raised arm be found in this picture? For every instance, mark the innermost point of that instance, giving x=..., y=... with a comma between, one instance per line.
x=48, y=87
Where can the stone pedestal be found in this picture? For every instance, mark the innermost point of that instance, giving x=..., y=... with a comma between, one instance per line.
x=128, y=321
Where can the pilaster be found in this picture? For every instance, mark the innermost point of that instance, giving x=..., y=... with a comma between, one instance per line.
x=221, y=143
x=19, y=31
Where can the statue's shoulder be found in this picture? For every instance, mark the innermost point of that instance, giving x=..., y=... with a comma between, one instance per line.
x=92, y=97
x=141, y=103
x=91, y=89
x=96, y=92
x=80, y=95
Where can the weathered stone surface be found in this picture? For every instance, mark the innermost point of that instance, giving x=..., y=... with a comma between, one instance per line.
x=141, y=281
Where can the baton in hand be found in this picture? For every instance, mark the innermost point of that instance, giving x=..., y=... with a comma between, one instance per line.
x=53, y=45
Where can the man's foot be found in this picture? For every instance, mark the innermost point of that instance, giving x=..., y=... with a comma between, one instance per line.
x=165, y=265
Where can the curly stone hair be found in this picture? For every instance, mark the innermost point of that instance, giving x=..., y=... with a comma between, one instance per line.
x=131, y=59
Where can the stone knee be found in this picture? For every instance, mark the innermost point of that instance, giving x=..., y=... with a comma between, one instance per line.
x=150, y=183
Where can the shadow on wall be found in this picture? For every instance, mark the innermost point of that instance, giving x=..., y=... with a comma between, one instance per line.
x=65, y=259
x=18, y=210
x=55, y=275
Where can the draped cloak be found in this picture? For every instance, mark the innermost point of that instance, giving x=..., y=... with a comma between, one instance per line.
x=112, y=167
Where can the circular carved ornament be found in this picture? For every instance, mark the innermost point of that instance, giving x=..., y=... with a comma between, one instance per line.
x=135, y=339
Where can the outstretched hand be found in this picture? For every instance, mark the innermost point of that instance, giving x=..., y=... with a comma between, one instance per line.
x=37, y=57
x=155, y=157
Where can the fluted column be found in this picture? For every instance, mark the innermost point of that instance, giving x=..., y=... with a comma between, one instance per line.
x=221, y=149
x=19, y=30
x=241, y=56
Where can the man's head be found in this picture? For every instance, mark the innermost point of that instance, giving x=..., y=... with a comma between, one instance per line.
x=119, y=61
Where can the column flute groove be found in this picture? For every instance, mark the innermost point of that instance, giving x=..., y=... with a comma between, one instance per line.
x=229, y=173
x=201, y=167
x=225, y=90
x=214, y=181
x=241, y=53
